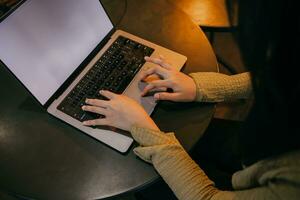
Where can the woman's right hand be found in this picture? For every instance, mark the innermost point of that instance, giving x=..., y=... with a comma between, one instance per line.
x=183, y=87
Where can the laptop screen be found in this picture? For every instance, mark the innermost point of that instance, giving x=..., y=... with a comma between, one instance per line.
x=43, y=41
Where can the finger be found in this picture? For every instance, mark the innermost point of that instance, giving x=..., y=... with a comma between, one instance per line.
x=147, y=89
x=162, y=57
x=161, y=89
x=146, y=77
x=159, y=61
x=151, y=92
x=96, y=122
x=165, y=64
x=155, y=70
x=97, y=102
x=156, y=84
x=166, y=96
x=108, y=94
x=95, y=109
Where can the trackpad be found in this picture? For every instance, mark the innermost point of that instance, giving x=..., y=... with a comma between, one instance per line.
x=135, y=90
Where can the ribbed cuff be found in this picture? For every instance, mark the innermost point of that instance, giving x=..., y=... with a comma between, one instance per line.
x=199, y=92
x=148, y=137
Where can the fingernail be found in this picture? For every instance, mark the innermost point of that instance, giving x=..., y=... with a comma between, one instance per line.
x=83, y=107
x=156, y=96
x=85, y=123
x=86, y=100
x=101, y=91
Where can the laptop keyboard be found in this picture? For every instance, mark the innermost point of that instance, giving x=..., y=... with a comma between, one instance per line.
x=113, y=71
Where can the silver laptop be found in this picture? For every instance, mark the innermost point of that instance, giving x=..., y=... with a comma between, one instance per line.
x=66, y=51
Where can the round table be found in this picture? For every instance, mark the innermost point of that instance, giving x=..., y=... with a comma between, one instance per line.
x=43, y=158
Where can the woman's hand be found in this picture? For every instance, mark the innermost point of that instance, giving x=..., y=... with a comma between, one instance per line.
x=120, y=111
x=183, y=87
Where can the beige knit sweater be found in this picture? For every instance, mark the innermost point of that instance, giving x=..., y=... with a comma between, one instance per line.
x=275, y=178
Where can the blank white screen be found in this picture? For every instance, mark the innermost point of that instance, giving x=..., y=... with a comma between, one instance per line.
x=44, y=41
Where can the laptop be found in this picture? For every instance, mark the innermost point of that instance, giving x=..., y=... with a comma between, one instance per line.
x=66, y=51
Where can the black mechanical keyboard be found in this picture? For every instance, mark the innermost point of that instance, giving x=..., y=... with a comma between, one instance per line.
x=113, y=71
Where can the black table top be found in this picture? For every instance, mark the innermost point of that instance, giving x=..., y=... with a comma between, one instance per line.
x=43, y=158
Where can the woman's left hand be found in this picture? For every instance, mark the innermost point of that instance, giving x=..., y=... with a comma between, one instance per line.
x=120, y=111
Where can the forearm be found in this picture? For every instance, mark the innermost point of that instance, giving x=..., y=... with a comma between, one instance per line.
x=186, y=179
x=184, y=176
x=216, y=87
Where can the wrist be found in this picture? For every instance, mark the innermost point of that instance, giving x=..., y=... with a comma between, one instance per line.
x=198, y=91
x=193, y=89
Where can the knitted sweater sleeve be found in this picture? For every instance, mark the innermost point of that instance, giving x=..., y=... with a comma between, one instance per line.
x=216, y=87
x=186, y=179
